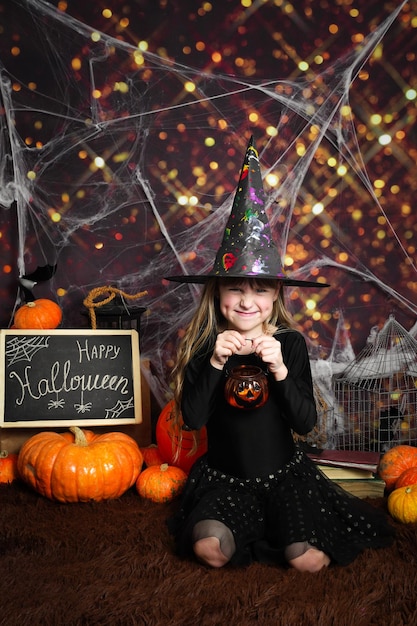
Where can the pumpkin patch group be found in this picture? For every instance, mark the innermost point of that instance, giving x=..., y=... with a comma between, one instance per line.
x=394, y=462
x=398, y=467
x=80, y=466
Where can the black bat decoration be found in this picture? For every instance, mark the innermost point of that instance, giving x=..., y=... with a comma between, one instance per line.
x=40, y=275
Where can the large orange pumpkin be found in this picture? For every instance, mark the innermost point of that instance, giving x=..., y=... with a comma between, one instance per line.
x=96, y=467
x=41, y=313
x=175, y=445
x=161, y=483
x=402, y=504
x=394, y=462
x=8, y=468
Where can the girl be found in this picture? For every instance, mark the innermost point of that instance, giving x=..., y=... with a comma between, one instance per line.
x=255, y=495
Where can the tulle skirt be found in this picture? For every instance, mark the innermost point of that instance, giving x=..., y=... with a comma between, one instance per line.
x=294, y=504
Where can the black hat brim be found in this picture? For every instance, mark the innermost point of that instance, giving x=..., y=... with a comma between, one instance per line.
x=201, y=279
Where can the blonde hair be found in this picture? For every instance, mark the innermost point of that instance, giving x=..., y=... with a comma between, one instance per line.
x=208, y=321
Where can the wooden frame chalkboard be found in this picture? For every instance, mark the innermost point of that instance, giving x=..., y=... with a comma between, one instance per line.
x=69, y=377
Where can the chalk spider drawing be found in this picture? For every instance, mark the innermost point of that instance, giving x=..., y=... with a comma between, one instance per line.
x=83, y=408
x=59, y=403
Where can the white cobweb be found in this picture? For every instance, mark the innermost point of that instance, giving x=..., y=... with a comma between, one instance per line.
x=120, y=165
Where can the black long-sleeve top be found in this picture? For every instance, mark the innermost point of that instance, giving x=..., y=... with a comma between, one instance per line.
x=251, y=442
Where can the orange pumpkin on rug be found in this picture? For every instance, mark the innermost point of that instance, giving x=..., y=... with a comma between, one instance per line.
x=96, y=467
x=394, y=462
x=409, y=477
x=8, y=468
x=151, y=455
x=161, y=483
x=39, y=314
x=402, y=504
x=176, y=445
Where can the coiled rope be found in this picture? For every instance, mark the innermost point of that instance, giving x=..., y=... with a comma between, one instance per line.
x=91, y=304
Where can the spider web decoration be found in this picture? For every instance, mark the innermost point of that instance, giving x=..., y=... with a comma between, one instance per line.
x=330, y=421
x=377, y=392
x=123, y=129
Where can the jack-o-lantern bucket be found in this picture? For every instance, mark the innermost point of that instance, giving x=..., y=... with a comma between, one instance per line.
x=176, y=450
x=246, y=387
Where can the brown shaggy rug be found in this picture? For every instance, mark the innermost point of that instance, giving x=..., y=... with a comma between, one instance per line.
x=112, y=563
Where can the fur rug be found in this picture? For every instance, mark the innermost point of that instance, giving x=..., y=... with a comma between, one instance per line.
x=112, y=563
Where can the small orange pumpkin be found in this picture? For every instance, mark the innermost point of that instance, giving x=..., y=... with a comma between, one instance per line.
x=8, y=468
x=408, y=477
x=394, y=462
x=402, y=504
x=176, y=445
x=151, y=455
x=161, y=483
x=96, y=467
x=41, y=313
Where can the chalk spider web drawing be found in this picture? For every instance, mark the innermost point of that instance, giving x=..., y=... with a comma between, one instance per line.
x=83, y=407
x=119, y=408
x=24, y=348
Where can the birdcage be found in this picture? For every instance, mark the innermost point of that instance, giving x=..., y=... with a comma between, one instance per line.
x=376, y=394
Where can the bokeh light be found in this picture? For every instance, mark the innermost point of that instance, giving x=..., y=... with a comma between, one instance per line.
x=124, y=126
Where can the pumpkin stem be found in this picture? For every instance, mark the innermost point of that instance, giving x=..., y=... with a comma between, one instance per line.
x=31, y=304
x=80, y=438
x=164, y=467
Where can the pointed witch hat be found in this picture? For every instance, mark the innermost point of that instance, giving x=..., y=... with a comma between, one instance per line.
x=247, y=249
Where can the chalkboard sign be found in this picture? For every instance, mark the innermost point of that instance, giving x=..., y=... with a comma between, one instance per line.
x=69, y=377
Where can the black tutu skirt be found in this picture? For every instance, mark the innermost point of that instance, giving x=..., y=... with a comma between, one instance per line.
x=294, y=504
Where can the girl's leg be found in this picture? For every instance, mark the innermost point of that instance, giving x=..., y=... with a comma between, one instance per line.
x=213, y=543
x=305, y=558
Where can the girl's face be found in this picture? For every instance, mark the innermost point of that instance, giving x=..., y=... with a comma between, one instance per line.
x=247, y=305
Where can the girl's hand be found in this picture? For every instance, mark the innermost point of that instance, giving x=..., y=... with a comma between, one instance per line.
x=227, y=343
x=269, y=350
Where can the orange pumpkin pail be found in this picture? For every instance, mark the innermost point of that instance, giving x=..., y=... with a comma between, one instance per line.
x=246, y=387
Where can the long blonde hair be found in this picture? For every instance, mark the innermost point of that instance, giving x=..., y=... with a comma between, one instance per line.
x=208, y=321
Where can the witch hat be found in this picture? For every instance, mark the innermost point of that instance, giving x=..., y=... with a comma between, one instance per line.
x=247, y=249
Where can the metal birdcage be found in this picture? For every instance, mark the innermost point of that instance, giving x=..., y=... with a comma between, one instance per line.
x=376, y=394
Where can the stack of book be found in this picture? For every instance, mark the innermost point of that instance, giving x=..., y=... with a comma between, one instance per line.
x=356, y=471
